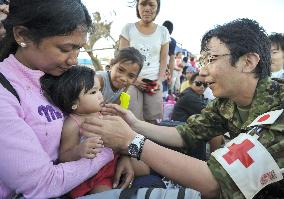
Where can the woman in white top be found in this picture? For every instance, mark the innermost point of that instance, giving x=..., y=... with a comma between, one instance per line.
x=152, y=41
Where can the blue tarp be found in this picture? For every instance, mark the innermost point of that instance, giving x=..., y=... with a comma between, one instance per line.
x=85, y=61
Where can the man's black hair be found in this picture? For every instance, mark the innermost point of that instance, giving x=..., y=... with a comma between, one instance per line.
x=243, y=36
x=169, y=25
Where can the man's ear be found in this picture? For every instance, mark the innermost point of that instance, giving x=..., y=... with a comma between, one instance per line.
x=20, y=34
x=251, y=60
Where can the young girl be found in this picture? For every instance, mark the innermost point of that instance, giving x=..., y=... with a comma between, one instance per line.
x=77, y=93
x=124, y=69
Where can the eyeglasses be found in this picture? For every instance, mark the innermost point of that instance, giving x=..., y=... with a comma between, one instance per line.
x=199, y=83
x=208, y=59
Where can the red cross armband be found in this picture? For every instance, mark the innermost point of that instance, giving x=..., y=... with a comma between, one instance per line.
x=249, y=164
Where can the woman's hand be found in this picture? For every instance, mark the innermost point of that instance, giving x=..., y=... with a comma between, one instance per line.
x=140, y=84
x=124, y=173
x=114, y=109
x=113, y=130
x=158, y=85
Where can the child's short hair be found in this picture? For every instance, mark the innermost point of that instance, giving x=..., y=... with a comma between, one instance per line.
x=129, y=54
x=278, y=40
x=64, y=90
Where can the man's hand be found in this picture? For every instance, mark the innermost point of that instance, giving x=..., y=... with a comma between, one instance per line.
x=113, y=130
x=114, y=109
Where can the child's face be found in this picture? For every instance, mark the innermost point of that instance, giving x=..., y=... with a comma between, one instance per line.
x=277, y=58
x=124, y=74
x=90, y=102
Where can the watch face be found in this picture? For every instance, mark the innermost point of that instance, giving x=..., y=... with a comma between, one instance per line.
x=133, y=150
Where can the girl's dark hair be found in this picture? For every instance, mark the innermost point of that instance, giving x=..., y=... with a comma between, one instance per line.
x=129, y=54
x=243, y=36
x=63, y=91
x=157, y=12
x=42, y=18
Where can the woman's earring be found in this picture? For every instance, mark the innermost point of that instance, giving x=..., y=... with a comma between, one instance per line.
x=74, y=106
x=23, y=44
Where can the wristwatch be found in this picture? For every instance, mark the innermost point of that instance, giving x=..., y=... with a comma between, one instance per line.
x=136, y=146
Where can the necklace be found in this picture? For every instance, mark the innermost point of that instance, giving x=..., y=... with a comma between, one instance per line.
x=114, y=96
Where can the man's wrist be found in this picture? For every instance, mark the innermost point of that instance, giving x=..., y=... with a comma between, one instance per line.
x=125, y=147
x=136, y=146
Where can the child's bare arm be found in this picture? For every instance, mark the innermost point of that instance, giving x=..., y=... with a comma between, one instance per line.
x=72, y=149
x=70, y=139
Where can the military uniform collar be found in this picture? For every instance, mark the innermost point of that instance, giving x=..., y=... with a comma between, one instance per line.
x=266, y=98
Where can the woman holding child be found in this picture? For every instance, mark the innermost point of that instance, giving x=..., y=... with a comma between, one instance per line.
x=42, y=36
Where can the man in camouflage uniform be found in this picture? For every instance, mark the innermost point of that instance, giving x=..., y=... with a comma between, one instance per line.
x=236, y=66
x=222, y=116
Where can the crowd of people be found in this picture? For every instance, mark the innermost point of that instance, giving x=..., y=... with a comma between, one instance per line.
x=65, y=133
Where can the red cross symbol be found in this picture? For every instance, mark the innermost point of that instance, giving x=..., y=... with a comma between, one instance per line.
x=239, y=152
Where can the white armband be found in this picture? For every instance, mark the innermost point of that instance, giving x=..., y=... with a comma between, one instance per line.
x=249, y=164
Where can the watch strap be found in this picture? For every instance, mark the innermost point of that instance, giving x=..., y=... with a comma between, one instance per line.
x=138, y=141
x=141, y=148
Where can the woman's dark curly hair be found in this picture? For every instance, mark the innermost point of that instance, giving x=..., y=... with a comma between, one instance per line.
x=243, y=36
x=42, y=18
x=63, y=91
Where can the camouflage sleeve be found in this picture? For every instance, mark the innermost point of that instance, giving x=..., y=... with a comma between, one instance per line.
x=272, y=138
x=202, y=126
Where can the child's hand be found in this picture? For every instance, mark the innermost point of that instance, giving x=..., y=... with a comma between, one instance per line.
x=90, y=147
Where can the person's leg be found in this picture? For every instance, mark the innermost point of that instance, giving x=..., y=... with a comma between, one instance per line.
x=174, y=78
x=99, y=188
x=165, y=89
x=153, y=106
x=136, y=101
x=177, y=84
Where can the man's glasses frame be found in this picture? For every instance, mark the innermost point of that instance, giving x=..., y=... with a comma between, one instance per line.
x=208, y=59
